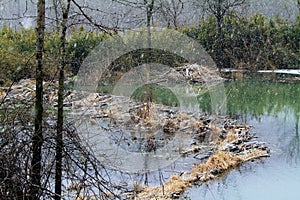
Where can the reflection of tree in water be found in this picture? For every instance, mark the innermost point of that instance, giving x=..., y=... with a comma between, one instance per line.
x=294, y=145
x=218, y=189
x=257, y=98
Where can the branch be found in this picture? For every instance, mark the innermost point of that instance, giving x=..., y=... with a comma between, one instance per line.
x=133, y=4
x=221, y=8
x=234, y=3
x=93, y=22
x=211, y=7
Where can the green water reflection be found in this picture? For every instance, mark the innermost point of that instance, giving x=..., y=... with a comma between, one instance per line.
x=274, y=111
x=257, y=98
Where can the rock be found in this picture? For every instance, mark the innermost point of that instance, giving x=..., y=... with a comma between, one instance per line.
x=231, y=147
x=202, y=156
x=175, y=194
x=215, y=172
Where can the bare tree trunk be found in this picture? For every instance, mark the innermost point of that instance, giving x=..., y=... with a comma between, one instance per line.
x=177, y=10
x=298, y=5
x=60, y=117
x=149, y=13
x=219, y=17
x=149, y=10
x=37, y=138
x=219, y=56
x=57, y=24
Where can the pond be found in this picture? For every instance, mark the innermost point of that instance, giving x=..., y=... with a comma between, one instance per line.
x=274, y=111
x=272, y=108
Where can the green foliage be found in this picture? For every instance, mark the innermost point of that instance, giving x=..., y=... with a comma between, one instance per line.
x=17, y=52
x=255, y=97
x=80, y=45
x=205, y=33
x=155, y=93
x=136, y=58
x=252, y=43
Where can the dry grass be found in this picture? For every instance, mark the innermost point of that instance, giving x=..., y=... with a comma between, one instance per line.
x=221, y=161
x=230, y=137
x=2, y=95
x=215, y=166
x=170, y=126
x=175, y=185
x=146, y=115
x=217, y=163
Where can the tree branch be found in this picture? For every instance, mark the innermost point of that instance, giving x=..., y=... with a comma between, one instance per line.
x=93, y=22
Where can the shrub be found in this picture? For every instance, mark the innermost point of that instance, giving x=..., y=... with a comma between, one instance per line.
x=80, y=45
x=17, y=52
x=253, y=43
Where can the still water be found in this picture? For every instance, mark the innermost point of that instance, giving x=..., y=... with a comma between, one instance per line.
x=274, y=111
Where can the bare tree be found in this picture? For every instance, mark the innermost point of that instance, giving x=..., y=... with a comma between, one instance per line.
x=171, y=9
x=37, y=139
x=63, y=26
x=56, y=14
x=65, y=7
x=149, y=7
x=30, y=175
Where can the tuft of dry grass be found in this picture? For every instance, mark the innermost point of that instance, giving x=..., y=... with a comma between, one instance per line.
x=170, y=126
x=231, y=137
x=217, y=164
x=146, y=115
x=2, y=95
x=175, y=186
